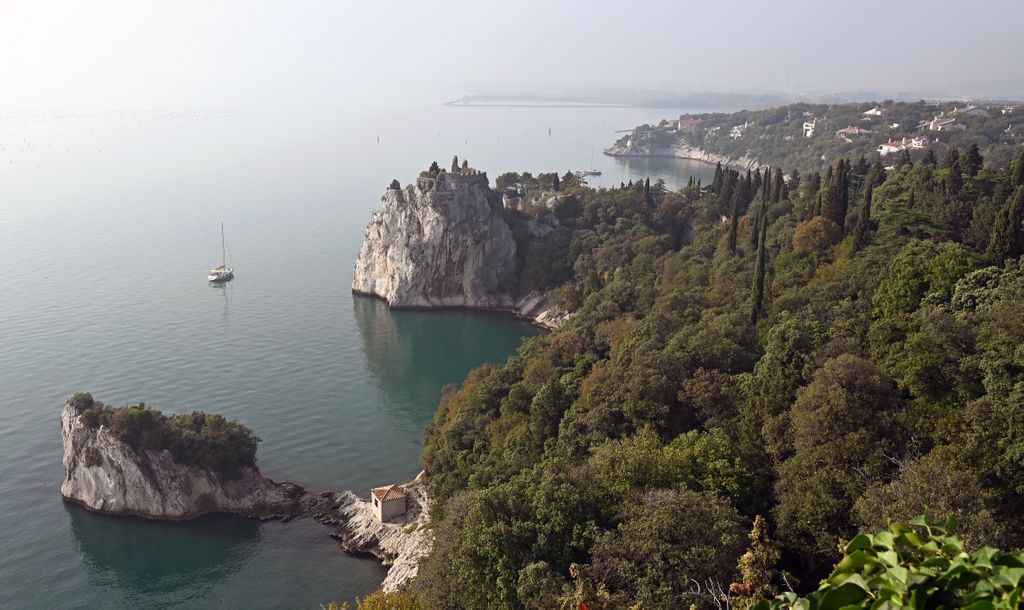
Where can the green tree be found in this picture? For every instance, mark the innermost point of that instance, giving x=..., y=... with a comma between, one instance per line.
x=1006, y=241
x=757, y=290
x=666, y=541
x=862, y=231
x=843, y=429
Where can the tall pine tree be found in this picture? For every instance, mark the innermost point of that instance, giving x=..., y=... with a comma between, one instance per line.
x=757, y=290
x=1005, y=241
x=862, y=232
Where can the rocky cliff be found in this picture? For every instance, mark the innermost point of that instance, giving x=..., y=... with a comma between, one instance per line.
x=105, y=475
x=444, y=242
x=658, y=144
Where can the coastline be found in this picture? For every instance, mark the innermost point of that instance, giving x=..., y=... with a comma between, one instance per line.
x=543, y=319
x=685, y=150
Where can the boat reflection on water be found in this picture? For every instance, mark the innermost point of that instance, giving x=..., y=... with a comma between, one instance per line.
x=149, y=561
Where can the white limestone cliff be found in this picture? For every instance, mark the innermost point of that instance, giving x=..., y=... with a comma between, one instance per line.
x=444, y=242
x=653, y=144
x=105, y=475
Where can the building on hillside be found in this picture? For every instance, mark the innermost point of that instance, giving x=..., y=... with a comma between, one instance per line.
x=969, y=110
x=874, y=112
x=687, y=124
x=941, y=123
x=809, y=127
x=388, y=502
x=852, y=132
x=1011, y=108
x=895, y=146
x=737, y=131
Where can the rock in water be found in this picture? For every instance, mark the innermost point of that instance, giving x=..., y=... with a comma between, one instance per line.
x=106, y=475
x=445, y=243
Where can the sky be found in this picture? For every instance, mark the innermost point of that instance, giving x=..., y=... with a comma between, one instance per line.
x=116, y=54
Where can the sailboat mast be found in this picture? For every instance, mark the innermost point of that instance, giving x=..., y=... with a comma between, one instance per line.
x=223, y=248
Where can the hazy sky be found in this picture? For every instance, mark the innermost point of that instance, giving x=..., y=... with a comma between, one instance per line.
x=136, y=52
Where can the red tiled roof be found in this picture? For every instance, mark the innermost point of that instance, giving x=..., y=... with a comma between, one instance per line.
x=388, y=492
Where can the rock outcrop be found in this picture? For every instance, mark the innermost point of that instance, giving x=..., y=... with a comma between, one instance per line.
x=105, y=475
x=444, y=242
x=399, y=543
x=658, y=144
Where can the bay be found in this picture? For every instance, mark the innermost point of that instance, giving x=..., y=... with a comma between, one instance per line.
x=109, y=220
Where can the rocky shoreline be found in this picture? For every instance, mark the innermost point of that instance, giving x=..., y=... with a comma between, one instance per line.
x=104, y=475
x=398, y=543
x=535, y=308
x=681, y=149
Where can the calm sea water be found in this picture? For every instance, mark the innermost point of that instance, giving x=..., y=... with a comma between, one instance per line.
x=108, y=223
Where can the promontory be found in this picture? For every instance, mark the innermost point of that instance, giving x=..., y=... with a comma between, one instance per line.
x=449, y=240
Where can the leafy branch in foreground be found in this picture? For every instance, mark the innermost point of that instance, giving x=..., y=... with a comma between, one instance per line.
x=920, y=565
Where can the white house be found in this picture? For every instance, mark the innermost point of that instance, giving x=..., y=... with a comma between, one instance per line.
x=894, y=146
x=876, y=111
x=1011, y=108
x=970, y=110
x=737, y=131
x=941, y=123
x=809, y=127
x=388, y=502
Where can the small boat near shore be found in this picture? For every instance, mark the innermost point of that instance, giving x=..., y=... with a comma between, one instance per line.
x=221, y=273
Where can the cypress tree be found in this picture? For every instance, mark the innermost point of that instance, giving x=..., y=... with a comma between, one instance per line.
x=556, y=183
x=862, y=232
x=756, y=183
x=757, y=290
x=911, y=203
x=971, y=161
x=648, y=197
x=734, y=223
x=765, y=189
x=716, y=184
x=955, y=180
x=817, y=206
x=929, y=157
x=794, y=180
x=1018, y=171
x=952, y=156
x=777, y=185
x=844, y=195
x=832, y=194
x=1005, y=241
x=904, y=159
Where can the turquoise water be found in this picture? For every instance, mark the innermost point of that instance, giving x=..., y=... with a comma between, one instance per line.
x=108, y=223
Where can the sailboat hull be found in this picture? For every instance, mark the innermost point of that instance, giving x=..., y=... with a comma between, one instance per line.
x=221, y=276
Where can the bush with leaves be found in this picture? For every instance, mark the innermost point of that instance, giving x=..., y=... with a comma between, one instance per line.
x=920, y=565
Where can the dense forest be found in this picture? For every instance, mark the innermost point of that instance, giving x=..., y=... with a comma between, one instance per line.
x=757, y=370
x=780, y=136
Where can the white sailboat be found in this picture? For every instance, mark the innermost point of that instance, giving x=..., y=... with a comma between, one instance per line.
x=223, y=273
x=592, y=171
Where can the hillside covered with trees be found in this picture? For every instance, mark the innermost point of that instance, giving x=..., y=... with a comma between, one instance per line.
x=757, y=370
x=809, y=136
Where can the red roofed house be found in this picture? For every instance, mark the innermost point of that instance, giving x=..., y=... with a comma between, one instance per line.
x=1011, y=108
x=687, y=124
x=388, y=502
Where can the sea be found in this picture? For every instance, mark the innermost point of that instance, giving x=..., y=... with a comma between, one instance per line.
x=109, y=221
